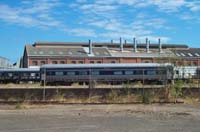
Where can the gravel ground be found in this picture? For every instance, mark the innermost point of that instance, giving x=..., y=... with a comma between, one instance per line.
x=101, y=118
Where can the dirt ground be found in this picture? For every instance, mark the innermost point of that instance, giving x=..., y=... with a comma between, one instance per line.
x=101, y=118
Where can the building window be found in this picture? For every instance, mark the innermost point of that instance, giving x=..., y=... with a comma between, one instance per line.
x=113, y=62
x=92, y=62
x=34, y=63
x=146, y=61
x=98, y=62
x=80, y=62
x=62, y=62
x=189, y=63
x=54, y=62
x=73, y=62
x=194, y=63
x=179, y=63
x=42, y=62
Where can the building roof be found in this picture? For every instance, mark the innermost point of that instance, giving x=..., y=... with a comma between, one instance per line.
x=192, y=52
x=66, y=51
x=81, y=49
x=142, y=53
x=96, y=44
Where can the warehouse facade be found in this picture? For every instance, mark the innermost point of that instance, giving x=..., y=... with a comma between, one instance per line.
x=41, y=53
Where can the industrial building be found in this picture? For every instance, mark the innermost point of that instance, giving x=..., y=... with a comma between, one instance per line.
x=4, y=63
x=41, y=53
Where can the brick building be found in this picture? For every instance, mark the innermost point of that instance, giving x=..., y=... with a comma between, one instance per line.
x=41, y=53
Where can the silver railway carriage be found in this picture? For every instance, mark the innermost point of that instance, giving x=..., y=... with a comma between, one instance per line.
x=111, y=73
x=186, y=72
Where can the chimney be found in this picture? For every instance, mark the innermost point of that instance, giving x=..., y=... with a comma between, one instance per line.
x=90, y=47
x=147, y=45
x=160, y=45
x=135, y=45
x=121, y=44
x=111, y=41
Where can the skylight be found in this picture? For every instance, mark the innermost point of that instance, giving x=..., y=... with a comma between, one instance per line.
x=97, y=53
x=41, y=52
x=70, y=53
x=190, y=54
x=51, y=52
x=60, y=52
x=178, y=54
x=182, y=54
x=197, y=54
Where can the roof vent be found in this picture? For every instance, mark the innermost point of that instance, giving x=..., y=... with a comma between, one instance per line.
x=147, y=45
x=160, y=45
x=135, y=45
x=121, y=44
x=111, y=41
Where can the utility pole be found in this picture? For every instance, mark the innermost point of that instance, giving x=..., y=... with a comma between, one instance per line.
x=44, y=85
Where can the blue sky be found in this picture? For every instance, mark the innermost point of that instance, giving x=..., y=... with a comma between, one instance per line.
x=27, y=21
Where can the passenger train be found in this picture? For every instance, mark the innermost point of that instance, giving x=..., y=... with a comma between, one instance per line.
x=67, y=74
x=106, y=73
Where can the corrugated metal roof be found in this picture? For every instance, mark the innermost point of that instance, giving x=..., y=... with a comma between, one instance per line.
x=68, y=51
x=142, y=53
x=192, y=52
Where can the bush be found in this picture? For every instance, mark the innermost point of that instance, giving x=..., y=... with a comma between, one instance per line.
x=176, y=90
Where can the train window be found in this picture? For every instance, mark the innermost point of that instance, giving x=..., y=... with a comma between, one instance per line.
x=95, y=73
x=83, y=73
x=37, y=74
x=50, y=73
x=117, y=72
x=10, y=74
x=71, y=73
x=128, y=72
x=112, y=61
x=150, y=72
x=33, y=74
x=138, y=72
x=106, y=72
x=59, y=73
x=26, y=74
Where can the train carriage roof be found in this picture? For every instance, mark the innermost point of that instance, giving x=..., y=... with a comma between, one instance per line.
x=20, y=70
x=104, y=65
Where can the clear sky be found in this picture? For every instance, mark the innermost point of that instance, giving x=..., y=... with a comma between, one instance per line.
x=27, y=21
